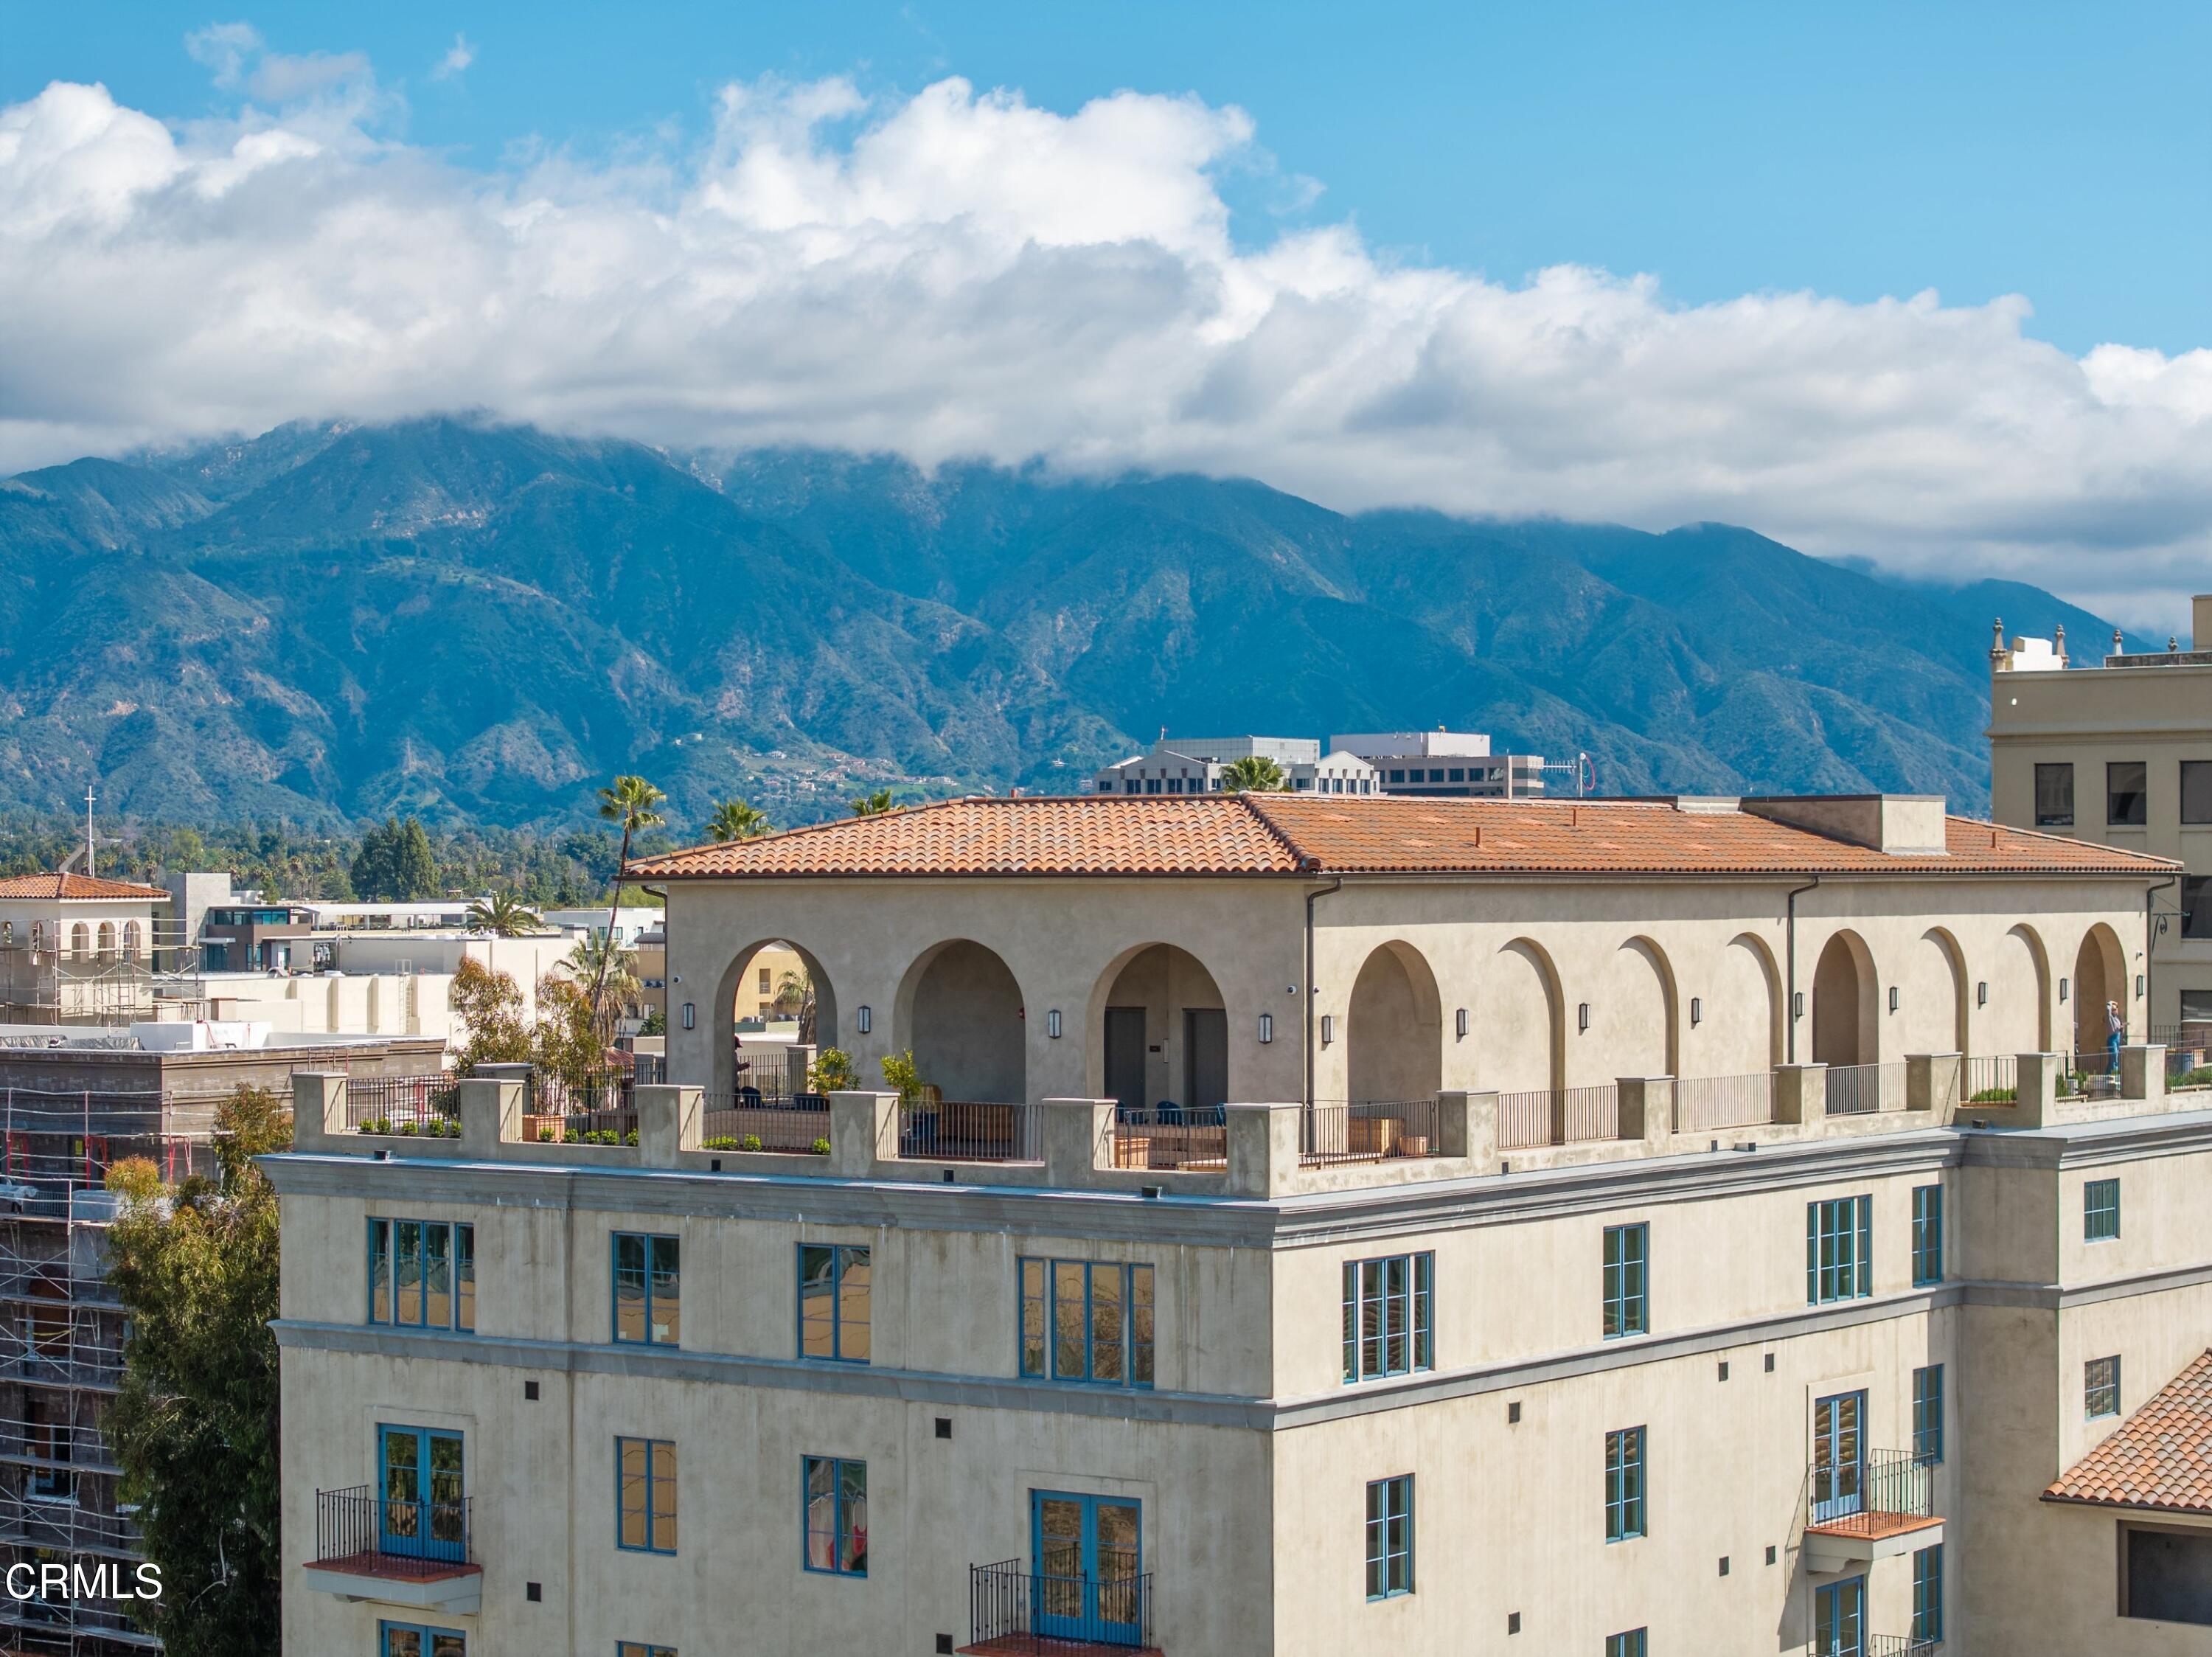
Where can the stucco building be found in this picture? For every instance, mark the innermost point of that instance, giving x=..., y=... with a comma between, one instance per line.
x=1314, y=1225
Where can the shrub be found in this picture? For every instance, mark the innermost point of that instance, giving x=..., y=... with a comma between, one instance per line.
x=547, y=1137
x=750, y=1142
x=1995, y=1096
x=831, y=1071
x=820, y=1147
x=719, y=1142
x=2196, y=1078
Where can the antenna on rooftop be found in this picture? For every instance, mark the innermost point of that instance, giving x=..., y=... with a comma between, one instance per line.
x=89, y=841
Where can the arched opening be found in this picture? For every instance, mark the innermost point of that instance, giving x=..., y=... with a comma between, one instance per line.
x=1636, y=1013
x=769, y=1061
x=1163, y=1031
x=960, y=1012
x=2100, y=978
x=1393, y=1028
x=81, y=940
x=1846, y=1028
x=107, y=940
x=132, y=940
x=1523, y=1029
x=1739, y=1029
x=2017, y=1017
x=1932, y=1001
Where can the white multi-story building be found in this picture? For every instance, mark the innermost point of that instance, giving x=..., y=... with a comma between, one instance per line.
x=1193, y=764
x=1442, y=763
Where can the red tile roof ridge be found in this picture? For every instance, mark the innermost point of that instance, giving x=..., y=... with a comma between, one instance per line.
x=2160, y=1459
x=69, y=884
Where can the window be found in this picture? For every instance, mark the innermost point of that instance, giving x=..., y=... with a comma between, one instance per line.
x=2126, y=796
x=1928, y=1415
x=1624, y=1484
x=1397, y=776
x=836, y=1516
x=833, y=1301
x=639, y=1649
x=2197, y=790
x=1838, y=1250
x=1631, y=1644
x=767, y=987
x=2101, y=1211
x=648, y=1289
x=2054, y=796
x=645, y=1474
x=2195, y=911
x=423, y=1274
x=1626, y=1250
x=1390, y=1537
x=2163, y=1574
x=1386, y=1316
x=2100, y=1388
x=1927, y=1235
x=1084, y=1320
x=1928, y=1594
x=410, y=1640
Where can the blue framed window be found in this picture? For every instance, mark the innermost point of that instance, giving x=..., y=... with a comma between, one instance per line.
x=833, y=1492
x=1634, y=1643
x=413, y=1640
x=1928, y=1415
x=1624, y=1484
x=833, y=1301
x=1628, y=1256
x=1927, y=1235
x=423, y=1274
x=2101, y=1211
x=1928, y=1592
x=1839, y=1618
x=2100, y=1388
x=648, y=1289
x=1839, y=1250
x=640, y=1649
x=1387, y=1316
x=421, y=1510
x=1086, y=1321
x=1089, y=1555
x=1390, y=1537
x=645, y=1495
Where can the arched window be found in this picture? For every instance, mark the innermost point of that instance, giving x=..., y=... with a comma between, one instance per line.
x=107, y=940
x=130, y=941
x=80, y=938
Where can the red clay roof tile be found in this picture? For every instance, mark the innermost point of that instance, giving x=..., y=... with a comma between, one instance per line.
x=75, y=886
x=2159, y=1457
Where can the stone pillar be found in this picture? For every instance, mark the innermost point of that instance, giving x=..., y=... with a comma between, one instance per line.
x=2143, y=1073
x=1263, y=1148
x=318, y=1110
x=1647, y=1110
x=1078, y=1139
x=1931, y=1083
x=669, y=1119
x=1801, y=1093
x=2038, y=1089
x=491, y=1113
x=863, y=1128
x=1459, y=1131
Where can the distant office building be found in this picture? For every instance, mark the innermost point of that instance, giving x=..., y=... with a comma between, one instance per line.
x=1193, y=764
x=1444, y=763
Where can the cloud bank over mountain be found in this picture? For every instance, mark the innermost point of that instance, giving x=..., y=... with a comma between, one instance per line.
x=957, y=273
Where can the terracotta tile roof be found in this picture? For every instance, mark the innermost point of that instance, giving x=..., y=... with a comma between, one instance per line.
x=1288, y=834
x=75, y=886
x=2159, y=1457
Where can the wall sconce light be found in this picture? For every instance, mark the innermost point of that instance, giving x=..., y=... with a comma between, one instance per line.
x=690, y=1016
x=1582, y=1017
x=1893, y=998
x=1462, y=1022
x=1982, y=993
x=1267, y=1026
x=866, y=1022
x=2139, y=983
x=1327, y=1028
x=1052, y=1024
x=1696, y=1011
x=1797, y=1005
x=2062, y=990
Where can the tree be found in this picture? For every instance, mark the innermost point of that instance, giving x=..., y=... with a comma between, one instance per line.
x=395, y=863
x=733, y=819
x=1252, y=774
x=503, y=915
x=194, y=1422
x=795, y=990
x=633, y=802
x=615, y=970
x=872, y=805
x=565, y=1042
x=489, y=1004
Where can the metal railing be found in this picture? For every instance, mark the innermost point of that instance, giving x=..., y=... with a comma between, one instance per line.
x=1989, y=1079
x=1172, y=1137
x=1859, y=1089
x=1030, y=1612
x=1590, y=1113
x=592, y=1093
x=1861, y=1497
x=1331, y=1131
x=1897, y=1645
x=1702, y=1103
x=1524, y=1119
x=360, y=1529
x=387, y=1104
x=958, y=1130
x=2090, y=1076
x=740, y=1122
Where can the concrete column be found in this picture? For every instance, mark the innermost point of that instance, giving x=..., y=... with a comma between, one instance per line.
x=863, y=1128
x=1801, y=1093
x=1452, y=1125
x=669, y=1119
x=2038, y=1074
x=2143, y=1073
x=491, y=1113
x=1077, y=1136
x=1931, y=1083
x=1263, y=1149
x=1647, y=1109
x=319, y=1108
x=1482, y=1130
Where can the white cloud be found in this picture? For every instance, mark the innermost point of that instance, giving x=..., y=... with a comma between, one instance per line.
x=961, y=273
x=224, y=48
x=457, y=57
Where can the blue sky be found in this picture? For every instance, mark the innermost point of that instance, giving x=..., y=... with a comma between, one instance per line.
x=2060, y=152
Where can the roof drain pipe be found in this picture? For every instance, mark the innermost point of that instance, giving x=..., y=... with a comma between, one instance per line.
x=1789, y=1008
x=2154, y=923
x=1306, y=1058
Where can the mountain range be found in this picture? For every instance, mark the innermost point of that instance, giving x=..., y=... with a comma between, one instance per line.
x=472, y=621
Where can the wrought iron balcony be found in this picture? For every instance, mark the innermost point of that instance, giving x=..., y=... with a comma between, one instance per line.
x=1014, y=1612
x=370, y=1546
x=1882, y=1503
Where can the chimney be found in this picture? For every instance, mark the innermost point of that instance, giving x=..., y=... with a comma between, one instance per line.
x=2200, y=622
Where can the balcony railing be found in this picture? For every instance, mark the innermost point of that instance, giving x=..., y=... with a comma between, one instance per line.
x=1558, y=1116
x=1881, y=1493
x=1896, y=1645
x=954, y=1131
x=1331, y=1132
x=1172, y=1137
x=1703, y=1103
x=1991, y=1079
x=741, y=1122
x=359, y=1531
x=1013, y=1612
x=1861, y=1089
x=416, y=1102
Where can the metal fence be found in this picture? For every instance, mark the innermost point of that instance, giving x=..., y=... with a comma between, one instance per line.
x=956, y=1130
x=1524, y=1119
x=741, y=1122
x=1702, y=1103
x=419, y=1101
x=1860, y=1497
x=1341, y=1131
x=1889, y=1645
x=2090, y=1076
x=1989, y=1079
x=1027, y=1611
x=1558, y=1116
x=394, y=1537
x=1857, y=1089
x=1170, y=1138
x=1590, y=1113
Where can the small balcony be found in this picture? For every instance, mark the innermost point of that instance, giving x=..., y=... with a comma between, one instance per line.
x=1899, y=1645
x=1874, y=1507
x=416, y=1554
x=1014, y=1612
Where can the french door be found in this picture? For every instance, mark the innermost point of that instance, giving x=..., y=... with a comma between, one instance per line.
x=421, y=1513
x=1089, y=1555
x=1839, y=1618
x=407, y=1640
x=1838, y=1456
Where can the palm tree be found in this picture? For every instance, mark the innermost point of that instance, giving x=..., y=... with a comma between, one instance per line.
x=633, y=802
x=872, y=805
x=503, y=915
x=611, y=965
x=1253, y=774
x=795, y=989
x=733, y=819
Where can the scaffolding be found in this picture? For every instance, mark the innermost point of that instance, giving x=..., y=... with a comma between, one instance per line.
x=61, y=1346
x=85, y=973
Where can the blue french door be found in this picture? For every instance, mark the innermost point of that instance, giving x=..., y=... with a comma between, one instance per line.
x=1839, y=1618
x=407, y=1639
x=1089, y=1553
x=1838, y=1456
x=419, y=1510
